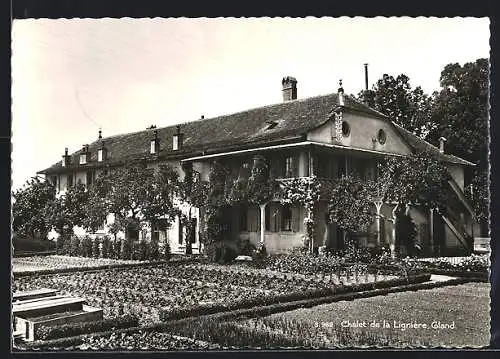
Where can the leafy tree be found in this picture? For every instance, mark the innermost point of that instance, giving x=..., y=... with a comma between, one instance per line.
x=29, y=209
x=350, y=205
x=417, y=179
x=67, y=210
x=461, y=114
x=97, y=207
x=409, y=108
x=135, y=195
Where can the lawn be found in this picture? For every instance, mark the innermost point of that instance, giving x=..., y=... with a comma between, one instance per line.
x=463, y=309
x=28, y=264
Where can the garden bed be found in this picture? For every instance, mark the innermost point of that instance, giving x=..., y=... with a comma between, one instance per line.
x=179, y=326
x=177, y=290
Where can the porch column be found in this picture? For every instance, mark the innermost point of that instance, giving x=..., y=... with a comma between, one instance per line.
x=262, y=221
x=392, y=245
x=378, y=205
x=431, y=225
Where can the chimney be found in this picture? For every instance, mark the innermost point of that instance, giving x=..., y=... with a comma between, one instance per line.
x=155, y=143
x=366, y=77
x=100, y=134
x=442, y=140
x=177, y=139
x=202, y=117
x=289, y=87
x=66, y=159
x=341, y=94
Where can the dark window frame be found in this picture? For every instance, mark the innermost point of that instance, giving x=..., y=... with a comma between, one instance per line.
x=286, y=221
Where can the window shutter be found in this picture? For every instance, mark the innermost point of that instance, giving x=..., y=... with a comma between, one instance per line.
x=295, y=219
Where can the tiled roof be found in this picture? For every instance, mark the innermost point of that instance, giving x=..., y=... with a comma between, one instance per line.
x=418, y=144
x=246, y=129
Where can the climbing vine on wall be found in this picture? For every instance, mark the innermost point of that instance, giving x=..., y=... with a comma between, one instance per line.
x=305, y=191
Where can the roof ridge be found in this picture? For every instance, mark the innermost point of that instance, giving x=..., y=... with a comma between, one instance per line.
x=224, y=115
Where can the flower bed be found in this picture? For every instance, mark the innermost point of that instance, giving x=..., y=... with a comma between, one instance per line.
x=144, y=291
x=178, y=290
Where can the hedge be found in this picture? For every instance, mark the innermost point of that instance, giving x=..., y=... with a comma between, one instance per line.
x=72, y=329
x=32, y=245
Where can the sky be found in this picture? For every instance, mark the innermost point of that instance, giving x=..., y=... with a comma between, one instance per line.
x=71, y=77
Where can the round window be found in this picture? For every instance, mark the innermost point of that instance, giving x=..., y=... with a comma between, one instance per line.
x=346, y=129
x=381, y=137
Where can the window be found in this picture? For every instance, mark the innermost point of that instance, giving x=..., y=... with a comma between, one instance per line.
x=289, y=167
x=381, y=136
x=100, y=155
x=90, y=178
x=286, y=218
x=153, y=146
x=268, y=217
x=101, y=226
x=321, y=166
x=175, y=143
x=83, y=158
x=346, y=129
x=243, y=218
x=69, y=180
x=180, y=232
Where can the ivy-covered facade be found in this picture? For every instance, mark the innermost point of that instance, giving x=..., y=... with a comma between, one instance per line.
x=266, y=175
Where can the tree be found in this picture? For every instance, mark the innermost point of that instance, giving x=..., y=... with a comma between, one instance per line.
x=136, y=195
x=29, y=210
x=67, y=210
x=420, y=179
x=97, y=207
x=350, y=205
x=461, y=114
x=409, y=108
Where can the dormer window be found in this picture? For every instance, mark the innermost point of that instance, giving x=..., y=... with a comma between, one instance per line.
x=85, y=155
x=101, y=154
x=177, y=139
x=271, y=125
x=155, y=144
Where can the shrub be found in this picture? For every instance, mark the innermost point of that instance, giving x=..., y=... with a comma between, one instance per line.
x=72, y=329
x=213, y=252
x=140, y=250
x=86, y=247
x=245, y=247
x=227, y=254
x=95, y=247
x=126, y=249
x=117, y=248
x=166, y=251
x=32, y=245
x=154, y=249
x=74, y=246
x=106, y=247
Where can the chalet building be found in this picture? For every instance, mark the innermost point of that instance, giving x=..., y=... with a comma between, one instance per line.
x=326, y=136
